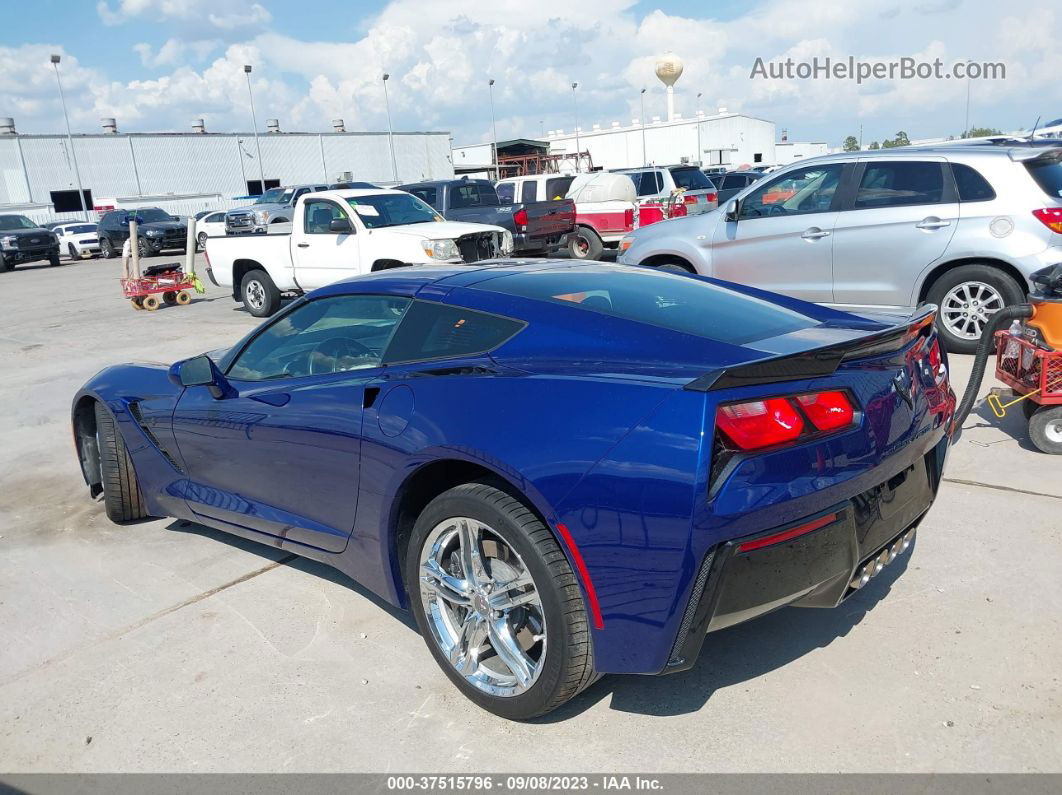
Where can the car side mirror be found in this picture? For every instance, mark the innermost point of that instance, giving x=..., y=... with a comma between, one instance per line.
x=340, y=225
x=733, y=207
x=201, y=371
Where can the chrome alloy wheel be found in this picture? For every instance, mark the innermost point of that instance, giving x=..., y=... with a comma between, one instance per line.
x=967, y=307
x=482, y=606
x=254, y=294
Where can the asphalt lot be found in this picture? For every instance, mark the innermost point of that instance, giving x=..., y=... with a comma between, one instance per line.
x=172, y=647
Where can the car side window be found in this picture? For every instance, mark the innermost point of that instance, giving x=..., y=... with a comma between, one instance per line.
x=971, y=185
x=330, y=335
x=464, y=196
x=436, y=331
x=318, y=215
x=806, y=190
x=487, y=196
x=506, y=192
x=900, y=183
x=528, y=191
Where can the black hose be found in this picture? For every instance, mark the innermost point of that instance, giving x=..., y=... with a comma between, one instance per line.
x=985, y=348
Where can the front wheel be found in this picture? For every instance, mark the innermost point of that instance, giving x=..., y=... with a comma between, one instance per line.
x=967, y=298
x=121, y=492
x=497, y=602
x=53, y=259
x=72, y=251
x=1045, y=428
x=106, y=248
x=260, y=296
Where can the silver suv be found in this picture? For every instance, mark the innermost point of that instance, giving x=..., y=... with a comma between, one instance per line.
x=961, y=226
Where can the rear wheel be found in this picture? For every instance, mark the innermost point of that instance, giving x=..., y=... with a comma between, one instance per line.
x=1045, y=428
x=183, y=298
x=676, y=267
x=584, y=243
x=121, y=493
x=150, y=302
x=260, y=296
x=497, y=603
x=170, y=297
x=967, y=298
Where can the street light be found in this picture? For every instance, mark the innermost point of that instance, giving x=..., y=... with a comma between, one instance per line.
x=575, y=106
x=698, y=158
x=254, y=125
x=494, y=125
x=70, y=139
x=645, y=158
x=390, y=134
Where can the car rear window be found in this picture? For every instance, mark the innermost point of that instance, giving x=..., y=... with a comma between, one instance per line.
x=971, y=185
x=691, y=179
x=506, y=192
x=670, y=301
x=1048, y=175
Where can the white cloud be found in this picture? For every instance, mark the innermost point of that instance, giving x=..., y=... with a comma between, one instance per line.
x=221, y=14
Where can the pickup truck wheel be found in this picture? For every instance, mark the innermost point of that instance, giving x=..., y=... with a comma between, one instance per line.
x=5, y=265
x=121, y=493
x=53, y=259
x=260, y=296
x=497, y=602
x=584, y=243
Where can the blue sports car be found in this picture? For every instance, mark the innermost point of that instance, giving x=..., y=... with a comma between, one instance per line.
x=563, y=469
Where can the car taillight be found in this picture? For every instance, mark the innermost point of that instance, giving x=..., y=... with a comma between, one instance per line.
x=760, y=423
x=936, y=361
x=628, y=218
x=773, y=422
x=1051, y=217
x=828, y=411
x=690, y=200
x=711, y=197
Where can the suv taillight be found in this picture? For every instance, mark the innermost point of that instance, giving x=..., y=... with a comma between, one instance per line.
x=1051, y=217
x=775, y=422
x=628, y=219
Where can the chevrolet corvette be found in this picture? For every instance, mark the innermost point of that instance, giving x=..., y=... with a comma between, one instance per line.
x=562, y=469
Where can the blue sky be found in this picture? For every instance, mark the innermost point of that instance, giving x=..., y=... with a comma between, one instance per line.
x=157, y=64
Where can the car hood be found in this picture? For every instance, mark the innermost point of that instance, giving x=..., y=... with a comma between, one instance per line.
x=162, y=226
x=441, y=230
x=35, y=232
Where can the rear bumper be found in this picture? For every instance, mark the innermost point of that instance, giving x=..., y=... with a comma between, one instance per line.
x=739, y=580
x=525, y=242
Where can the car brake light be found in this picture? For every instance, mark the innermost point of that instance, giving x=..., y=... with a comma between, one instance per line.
x=828, y=411
x=520, y=217
x=690, y=200
x=711, y=197
x=628, y=218
x=760, y=423
x=1051, y=217
x=936, y=362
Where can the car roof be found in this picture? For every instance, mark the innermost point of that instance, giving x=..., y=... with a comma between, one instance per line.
x=354, y=193
x=1015, y=149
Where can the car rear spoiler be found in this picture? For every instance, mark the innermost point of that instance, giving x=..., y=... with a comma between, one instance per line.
x=817, y=362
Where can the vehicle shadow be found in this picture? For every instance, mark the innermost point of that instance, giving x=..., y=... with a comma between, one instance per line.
x=735, y=655
x=1014, y=425
x=311, y=567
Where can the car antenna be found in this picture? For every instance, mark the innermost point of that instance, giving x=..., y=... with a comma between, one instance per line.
x=1032, y=135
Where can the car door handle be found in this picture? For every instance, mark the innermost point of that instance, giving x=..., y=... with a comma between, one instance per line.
x=303, y=245
x=932, y=223
x=815, y=233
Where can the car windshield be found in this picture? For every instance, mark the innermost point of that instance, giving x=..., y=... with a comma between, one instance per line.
x=671, y=301
x=270, y=196
x=16, y=222
x=151, y=214
x=392, y=209
x=691, y=179
x=81, y=229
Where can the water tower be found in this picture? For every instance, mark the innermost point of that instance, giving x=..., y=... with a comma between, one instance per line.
x=669, y=70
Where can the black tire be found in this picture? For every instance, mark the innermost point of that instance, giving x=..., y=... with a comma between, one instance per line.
x=568, y=665
x=71, y=251
x=54, y=261
x=143, y=249
x=1045, y=429
x=259, y=295
x=121, y=493
x=584, y=244
x=676, y=267
x=5, y=265
x=106, y=248
x=995, y=278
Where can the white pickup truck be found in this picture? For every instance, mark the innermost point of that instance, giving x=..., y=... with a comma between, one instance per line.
x=342, y=233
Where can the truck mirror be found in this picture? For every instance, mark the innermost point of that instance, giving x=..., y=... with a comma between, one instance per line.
x=340, y=225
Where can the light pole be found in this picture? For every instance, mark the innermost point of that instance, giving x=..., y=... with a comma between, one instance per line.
x=254, y=124
x=70, y=139
x=494, y=126
x=575, y=107
x=698, y=158
x=390, y=133
x=645, y=156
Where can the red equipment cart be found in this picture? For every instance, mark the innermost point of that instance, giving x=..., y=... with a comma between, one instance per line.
x=150, y=290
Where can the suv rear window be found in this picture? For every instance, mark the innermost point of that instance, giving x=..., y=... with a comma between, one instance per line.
x=691, y=179
x=1048, y=175
x=670, y=301
x=971, y=185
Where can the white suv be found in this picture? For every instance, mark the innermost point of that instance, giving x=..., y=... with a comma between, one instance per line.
x=960, y=226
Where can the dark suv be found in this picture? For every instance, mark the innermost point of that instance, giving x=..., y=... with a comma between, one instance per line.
x=21, y=240
x=157, y=231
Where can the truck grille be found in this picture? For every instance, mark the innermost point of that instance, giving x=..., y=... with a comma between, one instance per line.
x=239, y=221
x=479, y=246
x=33, y=242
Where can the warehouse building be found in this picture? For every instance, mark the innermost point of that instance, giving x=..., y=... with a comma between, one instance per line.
x=184, y=173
